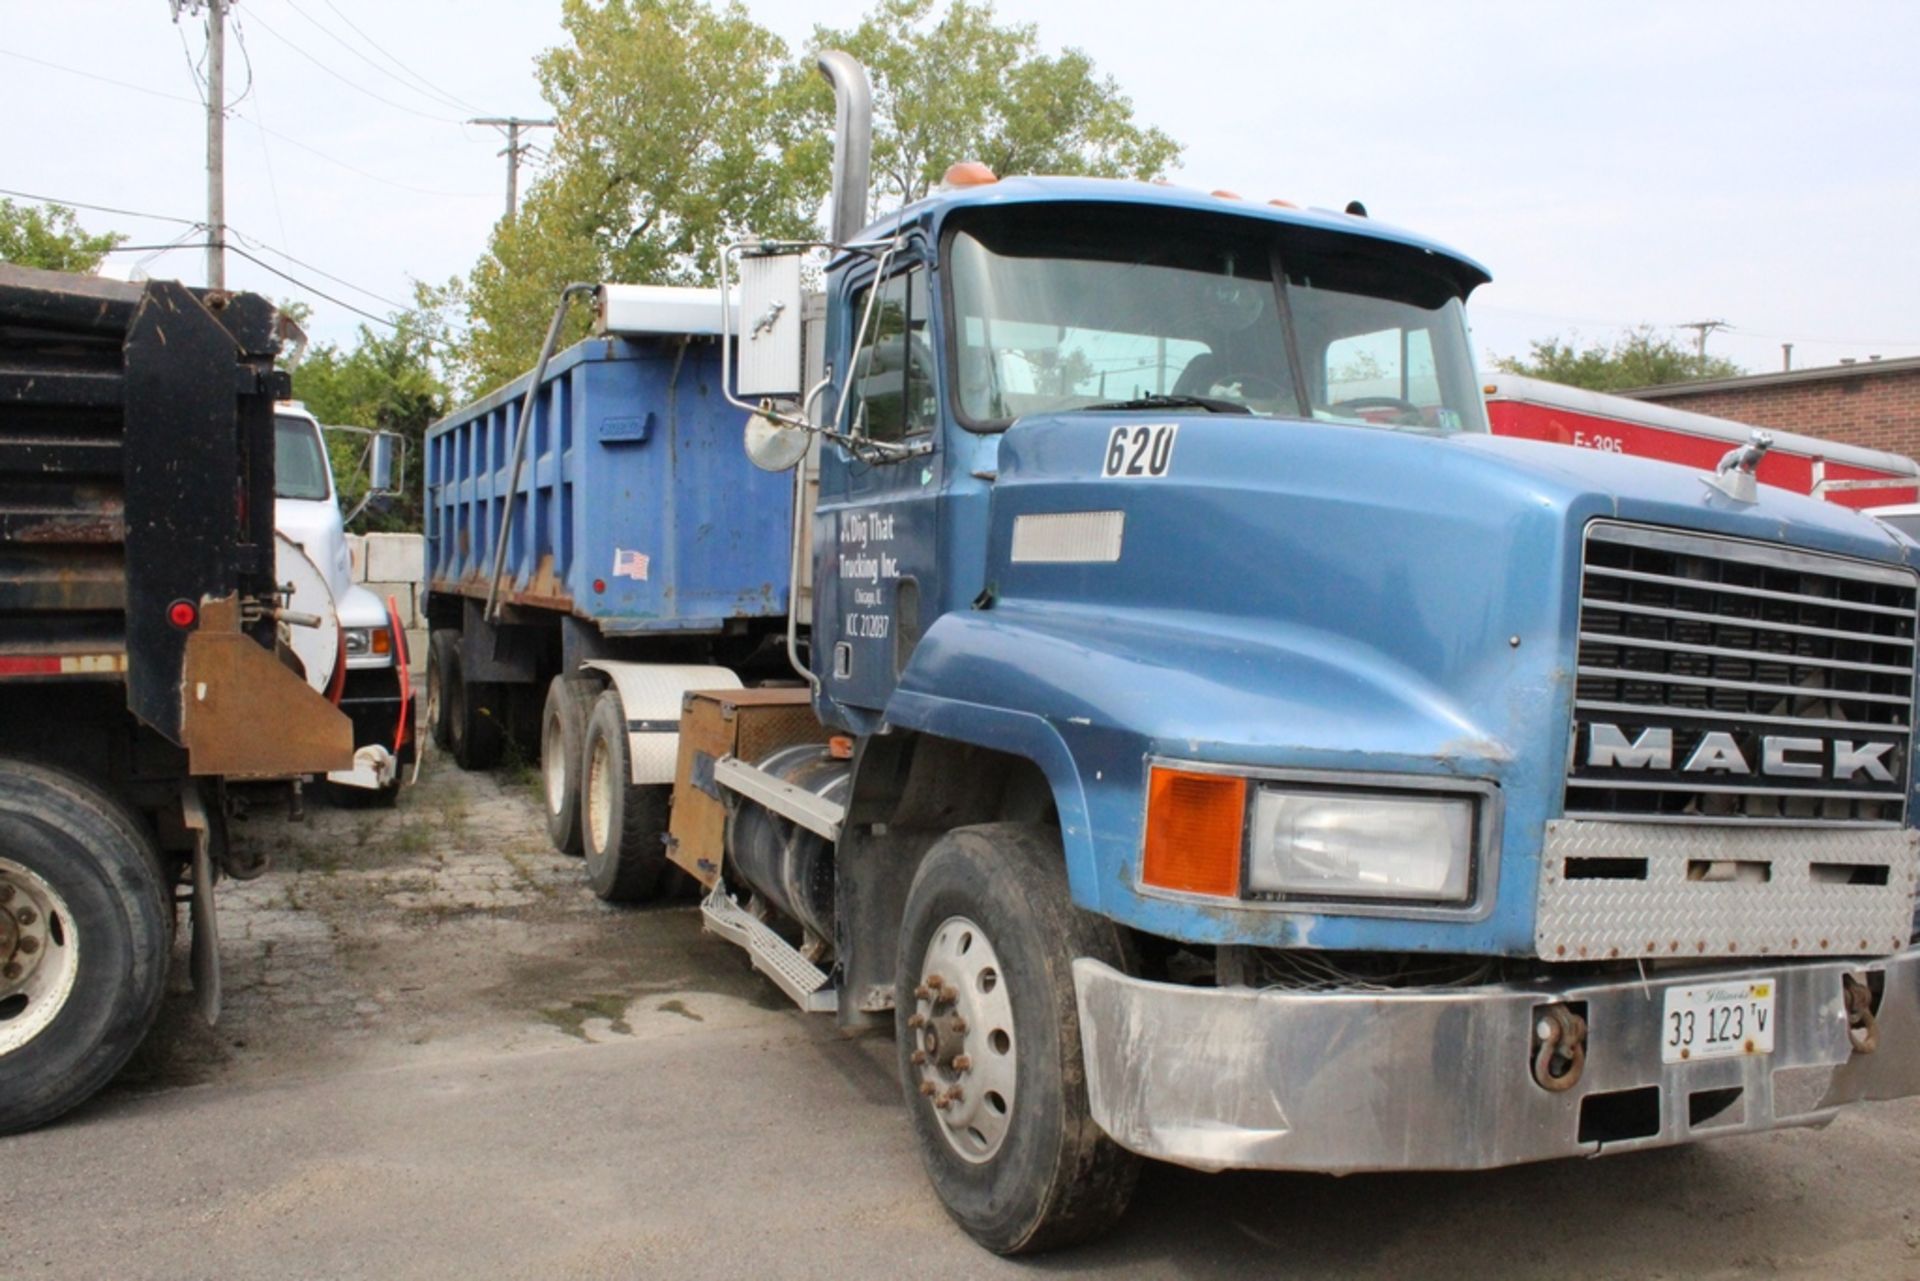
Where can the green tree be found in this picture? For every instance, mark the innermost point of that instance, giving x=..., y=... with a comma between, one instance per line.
x=957, y=85
x=49, y=236
x=388, y=381
x=676, y=133
x=683, y=125
x=1642, y=357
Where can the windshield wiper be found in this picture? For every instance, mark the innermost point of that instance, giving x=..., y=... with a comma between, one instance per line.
x=1158, y=400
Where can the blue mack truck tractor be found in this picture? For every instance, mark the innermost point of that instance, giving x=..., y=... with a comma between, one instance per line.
x=1158, y=699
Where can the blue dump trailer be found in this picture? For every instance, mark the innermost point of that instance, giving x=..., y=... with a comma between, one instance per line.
x=1156, y=697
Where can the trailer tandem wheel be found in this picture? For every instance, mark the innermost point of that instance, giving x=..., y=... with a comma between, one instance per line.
x=623, y=824
x=474, y=733
x=563, y=740
x=85, y=938
x=443, y=644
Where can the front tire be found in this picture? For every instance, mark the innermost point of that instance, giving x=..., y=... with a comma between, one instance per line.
x=988, y=1037
x=85, y=937
x=563, y=740
x=623, y=824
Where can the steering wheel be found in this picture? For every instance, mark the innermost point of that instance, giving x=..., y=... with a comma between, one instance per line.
x=1409, y=413
x=1253, y=386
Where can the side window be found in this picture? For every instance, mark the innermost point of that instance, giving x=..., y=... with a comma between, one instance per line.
x=893, y=373
x=1390, y=375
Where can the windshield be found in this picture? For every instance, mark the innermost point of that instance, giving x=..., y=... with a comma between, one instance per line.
x=1070, y=307
x=1907, y=523
x=299, y=467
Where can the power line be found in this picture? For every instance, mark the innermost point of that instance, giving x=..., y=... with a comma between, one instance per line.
x=351, y=168
x=81, y=204
x=320, y=271
x=454, y=98
x=266, y=156
x=438, y=98
x=351, y=84
x=106, y=80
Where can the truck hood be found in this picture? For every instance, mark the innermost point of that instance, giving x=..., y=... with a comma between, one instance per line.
x=1301, y=596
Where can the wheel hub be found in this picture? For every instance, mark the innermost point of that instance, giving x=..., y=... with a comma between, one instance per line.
x=39, y=954
x=963, y=1039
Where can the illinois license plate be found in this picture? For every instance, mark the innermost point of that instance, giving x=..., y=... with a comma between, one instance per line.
x=1717, y=1021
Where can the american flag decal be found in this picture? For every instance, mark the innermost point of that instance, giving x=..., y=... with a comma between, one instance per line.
x=628, y=564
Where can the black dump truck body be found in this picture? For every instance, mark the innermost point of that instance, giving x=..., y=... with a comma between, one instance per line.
x=139, y=661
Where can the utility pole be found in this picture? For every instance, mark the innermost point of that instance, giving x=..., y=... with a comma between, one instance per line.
x=216, y=145
x=514, y=150
x=1701, y=329
x=216, y=133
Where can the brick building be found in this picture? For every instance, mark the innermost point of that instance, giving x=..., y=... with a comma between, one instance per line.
x=1875, y=403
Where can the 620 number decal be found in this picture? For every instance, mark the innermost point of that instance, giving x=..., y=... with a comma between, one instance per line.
x=1145, y=450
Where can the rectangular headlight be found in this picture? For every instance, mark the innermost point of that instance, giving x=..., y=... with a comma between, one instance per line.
x=1356, y=845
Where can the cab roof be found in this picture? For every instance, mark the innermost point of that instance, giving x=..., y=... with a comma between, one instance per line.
x=932, y=210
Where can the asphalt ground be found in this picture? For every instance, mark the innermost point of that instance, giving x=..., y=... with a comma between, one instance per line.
x=442, y=1057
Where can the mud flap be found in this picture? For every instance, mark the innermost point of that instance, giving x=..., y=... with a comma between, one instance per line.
x=206, y=929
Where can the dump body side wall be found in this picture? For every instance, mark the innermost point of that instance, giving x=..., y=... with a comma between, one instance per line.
x=636, y=509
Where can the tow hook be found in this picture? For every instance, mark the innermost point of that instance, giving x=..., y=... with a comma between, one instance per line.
x=1559, y=1048
x=1862, y=1028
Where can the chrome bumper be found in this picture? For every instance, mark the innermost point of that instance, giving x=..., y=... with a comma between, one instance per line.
x=1225, y=1078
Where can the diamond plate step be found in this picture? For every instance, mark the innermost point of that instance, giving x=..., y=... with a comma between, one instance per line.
x=794, y=974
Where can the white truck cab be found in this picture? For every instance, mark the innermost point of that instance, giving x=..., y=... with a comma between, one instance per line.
x=350, y=655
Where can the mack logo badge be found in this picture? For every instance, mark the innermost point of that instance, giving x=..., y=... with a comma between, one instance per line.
x=1718, y=752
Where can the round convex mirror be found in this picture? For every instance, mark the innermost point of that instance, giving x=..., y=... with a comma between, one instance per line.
x=774, y=446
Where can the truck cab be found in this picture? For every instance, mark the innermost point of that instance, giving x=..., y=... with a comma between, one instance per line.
x=351, y=654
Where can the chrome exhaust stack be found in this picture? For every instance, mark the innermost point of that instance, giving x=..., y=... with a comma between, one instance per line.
x=852, y=143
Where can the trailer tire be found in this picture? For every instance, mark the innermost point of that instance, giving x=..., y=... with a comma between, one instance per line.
x=1015, y=1154
x=623, y=824
x=474, y=732
x=443, y=647
x=99, y=913
x=563, y=756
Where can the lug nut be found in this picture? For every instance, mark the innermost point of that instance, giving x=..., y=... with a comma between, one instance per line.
x=962, y=1063
x=25, y=916
x=926, y=1089
x=6, y=893
x=923, y=992
x=11, y=971
x=919, y=1058
x=28, y=946
x=916, y=1020
x=948, y=995
x=959, y=1025
x=942, y=1103
x=953, y=1095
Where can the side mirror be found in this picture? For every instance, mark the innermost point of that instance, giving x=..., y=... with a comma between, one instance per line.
x=767, y=360
x=383, y=463
x=773, y=445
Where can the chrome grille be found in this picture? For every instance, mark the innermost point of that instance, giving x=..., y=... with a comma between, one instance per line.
x=1725, y=680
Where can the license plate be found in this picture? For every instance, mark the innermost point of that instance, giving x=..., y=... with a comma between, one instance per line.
x=1717, y=1021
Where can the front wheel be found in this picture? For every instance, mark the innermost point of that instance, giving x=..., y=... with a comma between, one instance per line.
x=989, y=1042
x=85, y=934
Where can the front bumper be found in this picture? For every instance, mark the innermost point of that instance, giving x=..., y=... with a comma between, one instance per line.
x=1440, y=1079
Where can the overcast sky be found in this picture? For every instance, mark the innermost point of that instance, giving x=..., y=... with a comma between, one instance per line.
x=1612, y=163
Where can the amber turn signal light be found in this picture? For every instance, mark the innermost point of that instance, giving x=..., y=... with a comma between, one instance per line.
x=1194, y=824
